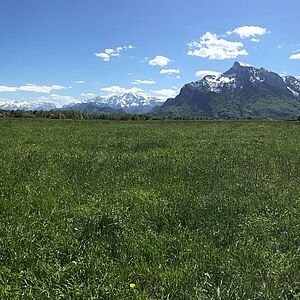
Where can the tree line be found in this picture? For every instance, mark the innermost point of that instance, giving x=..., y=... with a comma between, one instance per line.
x=79, y=115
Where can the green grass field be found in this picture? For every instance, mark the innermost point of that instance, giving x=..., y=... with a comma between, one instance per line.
x=184, y=210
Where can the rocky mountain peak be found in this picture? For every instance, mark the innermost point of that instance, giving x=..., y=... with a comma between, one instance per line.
x=243, y=90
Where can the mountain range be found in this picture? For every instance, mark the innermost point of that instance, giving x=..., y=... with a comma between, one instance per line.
x=25, y=105
x=242, y=91
x=117, y=104
x=128, y=103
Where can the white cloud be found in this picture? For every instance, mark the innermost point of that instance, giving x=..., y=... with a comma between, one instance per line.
x=165, y=93
x=114, y=54
x=249, y=31
x=63, y=99
x=178, y=77
x=108, y=53
x=59, y=100
x=203, y=73
x=4, y=89
x=137, y=81
x=79, y=81
x=32, y=88
x=117, y=90
x=169, y=71
x=159, y=61
x=254, y=40
x=213, y=47
x=88, y=94
x=295, y=56
x=104, y=56
x=40, y=89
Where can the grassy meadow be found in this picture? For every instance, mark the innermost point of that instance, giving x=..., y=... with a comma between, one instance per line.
x=176, y=209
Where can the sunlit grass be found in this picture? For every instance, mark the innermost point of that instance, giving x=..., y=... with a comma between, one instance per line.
x=149, y=210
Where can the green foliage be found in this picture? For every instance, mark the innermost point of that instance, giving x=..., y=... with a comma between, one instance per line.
x=52, y=114
x=182, y=209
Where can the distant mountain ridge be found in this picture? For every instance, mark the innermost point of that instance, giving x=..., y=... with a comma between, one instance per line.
x=242, y=91
x=25, y=105
x=92, y=108
x=128, y=102
x=117, y=104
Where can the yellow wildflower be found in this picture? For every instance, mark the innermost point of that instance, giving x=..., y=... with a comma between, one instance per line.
x=132, y=285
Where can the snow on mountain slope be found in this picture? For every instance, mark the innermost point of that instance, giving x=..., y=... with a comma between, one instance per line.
x=240, y=74
x=242, y=91
x=293, y=84
x=129, y=102
x=27, y=105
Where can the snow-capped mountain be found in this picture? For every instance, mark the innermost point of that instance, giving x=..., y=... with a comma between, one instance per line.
x=293, y=84
x=25, y=105
x=240, y=74
x=91, y=107
x=129, y=102
x=242, y=91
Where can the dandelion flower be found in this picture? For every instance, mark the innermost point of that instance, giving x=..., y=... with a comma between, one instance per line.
x=132, y=285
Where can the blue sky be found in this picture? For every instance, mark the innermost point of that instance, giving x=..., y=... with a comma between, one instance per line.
x=68, y=50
